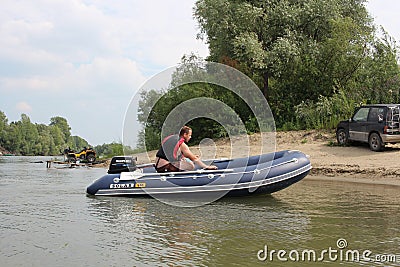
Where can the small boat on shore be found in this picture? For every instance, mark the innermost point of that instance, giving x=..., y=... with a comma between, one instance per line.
x=265, y=173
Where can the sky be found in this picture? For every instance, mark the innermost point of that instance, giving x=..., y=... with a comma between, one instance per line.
x=85, y=59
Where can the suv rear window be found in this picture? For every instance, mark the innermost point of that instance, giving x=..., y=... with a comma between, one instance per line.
x=375, y=114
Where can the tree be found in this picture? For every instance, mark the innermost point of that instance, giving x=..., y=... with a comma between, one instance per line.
x=25, y=138
x=156, y=106
x=77, y=143
x=267, y=36
x=29, y=136
x=12, y=138
x=62, y=124
x=381, y=78
x=377, y=81
x=3, y=126
x=294, y=50
x=45, y=141
x=115, y=149
x=58, y=143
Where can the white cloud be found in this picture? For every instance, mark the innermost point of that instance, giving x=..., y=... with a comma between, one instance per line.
x=82, y=58
x=47, y=40
x=385, y=13
x=23, y=107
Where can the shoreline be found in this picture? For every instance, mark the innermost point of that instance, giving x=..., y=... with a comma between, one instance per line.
x=392, y=181
x=354, y=164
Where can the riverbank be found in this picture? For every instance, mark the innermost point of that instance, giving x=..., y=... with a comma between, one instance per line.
x=3, y=151
x=330, y=162
x=356, y=163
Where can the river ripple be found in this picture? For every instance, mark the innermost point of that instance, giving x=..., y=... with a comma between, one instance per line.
x=47, y=220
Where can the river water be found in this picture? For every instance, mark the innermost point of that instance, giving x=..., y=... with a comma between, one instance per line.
x=46, y=219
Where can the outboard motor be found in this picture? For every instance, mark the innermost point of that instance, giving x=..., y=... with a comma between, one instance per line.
x=122, y=164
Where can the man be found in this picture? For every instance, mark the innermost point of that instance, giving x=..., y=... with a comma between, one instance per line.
x=174, y=155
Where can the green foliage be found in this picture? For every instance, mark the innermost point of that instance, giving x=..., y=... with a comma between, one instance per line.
x=114, y=149
x=155, y=108
x=26, y=138
x=76, y=143
x=380, y=83
x=274, y=38
x=380, y=78
x=326, y=112
x=62, y=124
x=3, y=125
x=313, y=60
x=303, y=53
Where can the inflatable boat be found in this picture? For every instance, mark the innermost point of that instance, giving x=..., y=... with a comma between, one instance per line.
x=265, y=173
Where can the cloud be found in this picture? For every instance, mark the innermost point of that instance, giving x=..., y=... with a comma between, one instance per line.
x=23, y=107
x=82, y=58
x=85, y=59
x=45, y=42
x=385, y=13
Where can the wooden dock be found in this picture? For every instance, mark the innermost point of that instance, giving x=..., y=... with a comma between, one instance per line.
x=66, y=164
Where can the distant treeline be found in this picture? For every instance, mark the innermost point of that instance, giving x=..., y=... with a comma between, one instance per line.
x=26, y=138
x=115, y=149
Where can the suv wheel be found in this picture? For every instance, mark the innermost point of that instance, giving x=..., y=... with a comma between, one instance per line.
x=342, y=137
x=375, y=142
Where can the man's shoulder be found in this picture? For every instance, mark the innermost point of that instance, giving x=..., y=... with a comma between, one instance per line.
x=184, y=146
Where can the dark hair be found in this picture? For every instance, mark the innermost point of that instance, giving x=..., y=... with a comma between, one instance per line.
x=184, y=130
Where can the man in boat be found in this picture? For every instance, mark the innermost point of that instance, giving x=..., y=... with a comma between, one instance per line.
x=174, y=155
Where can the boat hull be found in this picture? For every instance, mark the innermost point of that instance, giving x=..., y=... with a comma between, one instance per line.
x=263, y=174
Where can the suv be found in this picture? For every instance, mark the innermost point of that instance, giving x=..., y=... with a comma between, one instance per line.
x=376, y=125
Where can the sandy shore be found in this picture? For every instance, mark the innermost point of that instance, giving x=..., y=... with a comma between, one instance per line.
x=356, y=163
x=330, y=162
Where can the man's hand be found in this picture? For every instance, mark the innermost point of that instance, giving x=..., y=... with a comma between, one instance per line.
x=211, y=167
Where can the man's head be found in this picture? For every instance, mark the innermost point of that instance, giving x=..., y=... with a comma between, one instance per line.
x=186, y=133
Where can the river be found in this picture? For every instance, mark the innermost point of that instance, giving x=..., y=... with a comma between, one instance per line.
x=46, y=219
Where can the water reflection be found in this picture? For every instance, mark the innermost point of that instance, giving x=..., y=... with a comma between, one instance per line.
x=47, y=218
x=173, y=235
x=312, y=215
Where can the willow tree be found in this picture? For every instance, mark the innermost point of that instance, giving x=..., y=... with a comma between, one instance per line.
x=62, y=124
x=26, y=138
x=3, y=125
x=295, y=50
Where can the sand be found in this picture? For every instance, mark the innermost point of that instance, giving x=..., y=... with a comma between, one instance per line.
x=355, y=163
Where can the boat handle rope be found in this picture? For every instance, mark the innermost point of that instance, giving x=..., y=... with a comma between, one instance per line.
x=164, y=177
